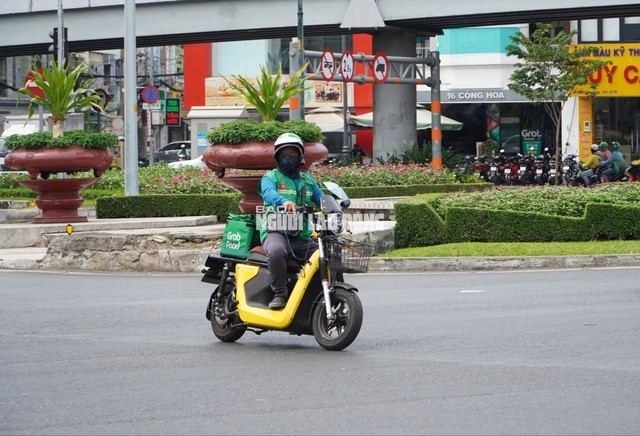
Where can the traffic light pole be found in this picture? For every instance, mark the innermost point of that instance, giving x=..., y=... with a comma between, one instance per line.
x=61, y=36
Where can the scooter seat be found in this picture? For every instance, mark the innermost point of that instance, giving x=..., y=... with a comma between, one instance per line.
x=258, y=255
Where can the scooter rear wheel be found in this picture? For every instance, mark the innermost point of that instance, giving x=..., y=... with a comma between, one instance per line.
x=338, y=334
x=222, y=327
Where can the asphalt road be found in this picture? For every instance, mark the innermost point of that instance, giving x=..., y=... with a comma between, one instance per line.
x=549, y=352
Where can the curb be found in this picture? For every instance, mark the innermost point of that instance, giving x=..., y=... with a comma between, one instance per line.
x=413, y=264
x=192, y=261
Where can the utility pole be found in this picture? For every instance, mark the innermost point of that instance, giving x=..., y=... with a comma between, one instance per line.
x=131, y=103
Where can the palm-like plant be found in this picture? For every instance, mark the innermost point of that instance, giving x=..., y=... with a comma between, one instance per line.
x=271, y=93
x=59, y=93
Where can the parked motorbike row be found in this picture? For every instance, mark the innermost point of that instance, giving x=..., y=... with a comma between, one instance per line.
x=521, y=169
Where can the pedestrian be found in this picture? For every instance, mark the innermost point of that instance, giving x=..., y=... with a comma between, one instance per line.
x=358, y=153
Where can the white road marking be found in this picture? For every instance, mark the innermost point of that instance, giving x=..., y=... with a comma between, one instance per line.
x=471, y=291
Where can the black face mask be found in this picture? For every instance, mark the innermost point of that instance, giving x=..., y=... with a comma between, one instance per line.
x=289, y=166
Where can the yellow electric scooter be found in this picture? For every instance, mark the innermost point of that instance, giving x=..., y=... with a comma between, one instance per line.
x=320, y=302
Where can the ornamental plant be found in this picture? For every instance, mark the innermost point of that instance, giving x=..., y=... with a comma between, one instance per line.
x=271, y=93
x=162, y=179
x=236, y=132
x=90, y=140
x=60, y=93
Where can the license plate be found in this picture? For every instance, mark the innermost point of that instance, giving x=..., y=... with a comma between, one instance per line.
x=539, y=171
x=477, y=174
x=552, y=172
x=565, y=168
x=523, y=169
x=507, y=170
x=494, y=169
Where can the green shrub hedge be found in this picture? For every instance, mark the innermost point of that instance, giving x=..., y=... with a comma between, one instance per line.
x=10, y=193
x=168, y=205
x=418, y=224
x=117, y=206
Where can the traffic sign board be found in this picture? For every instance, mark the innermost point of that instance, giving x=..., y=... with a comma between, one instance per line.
x=346, y=66
x=150, y=94
x=380, y=67
x=327, y=65
x=172, y=112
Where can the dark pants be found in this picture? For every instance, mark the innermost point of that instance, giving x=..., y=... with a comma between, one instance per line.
x=278, y=249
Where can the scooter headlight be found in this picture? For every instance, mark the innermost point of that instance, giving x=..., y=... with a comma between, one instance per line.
x=334, y=223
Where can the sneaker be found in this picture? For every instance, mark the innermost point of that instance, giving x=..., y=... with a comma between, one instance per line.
x=277, y=303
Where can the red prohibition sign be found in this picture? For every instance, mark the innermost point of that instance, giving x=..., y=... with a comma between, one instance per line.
x=327, y=65
x=347, y=67
x=380, y=67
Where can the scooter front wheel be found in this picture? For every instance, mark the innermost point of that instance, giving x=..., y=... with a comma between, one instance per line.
x=222, y=328
x=342, y=331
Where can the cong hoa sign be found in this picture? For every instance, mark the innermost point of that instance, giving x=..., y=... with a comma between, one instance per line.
x=621, y=77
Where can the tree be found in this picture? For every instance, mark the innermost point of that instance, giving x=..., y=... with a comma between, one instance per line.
x=551, y=70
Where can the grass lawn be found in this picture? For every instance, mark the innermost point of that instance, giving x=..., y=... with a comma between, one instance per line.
x=469, y=249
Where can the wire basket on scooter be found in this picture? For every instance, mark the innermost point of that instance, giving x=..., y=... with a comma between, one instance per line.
x=345, y=255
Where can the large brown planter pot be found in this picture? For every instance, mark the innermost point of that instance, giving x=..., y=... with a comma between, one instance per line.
x=59, y=199
x=54, y=160
x=252, y=155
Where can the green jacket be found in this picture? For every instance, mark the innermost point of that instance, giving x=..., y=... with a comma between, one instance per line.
x=617, y=159
x=286, y=187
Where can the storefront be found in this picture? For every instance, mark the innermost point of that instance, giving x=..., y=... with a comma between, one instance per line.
x=613, y=114
x=512, y=121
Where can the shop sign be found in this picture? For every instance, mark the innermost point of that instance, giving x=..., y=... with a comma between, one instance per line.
x=475, y=95
x=531, y=141
x=621, y=78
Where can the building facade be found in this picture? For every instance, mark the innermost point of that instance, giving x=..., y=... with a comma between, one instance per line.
x=613, y=114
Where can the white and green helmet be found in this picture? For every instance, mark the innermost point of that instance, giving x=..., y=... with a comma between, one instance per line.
x=288, y=140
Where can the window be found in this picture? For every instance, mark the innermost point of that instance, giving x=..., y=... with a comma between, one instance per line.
x=630, y=29
x=609, y=30
x=588, y=31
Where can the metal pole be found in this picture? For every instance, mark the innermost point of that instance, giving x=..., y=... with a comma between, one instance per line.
x=346, y=139
x=301, y=53
x=60, y=54
x=294, y=101
x=152, y=133
x=131, y=104
x=61, y=40
x=436, y=109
